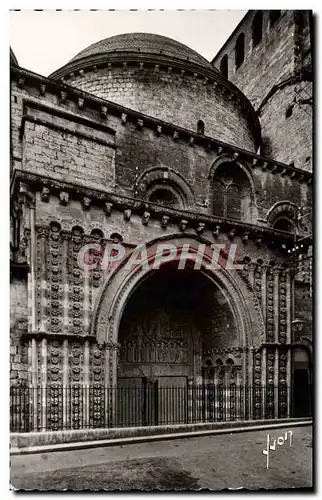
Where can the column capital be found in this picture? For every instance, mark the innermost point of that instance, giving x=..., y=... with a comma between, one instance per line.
x=109, y=346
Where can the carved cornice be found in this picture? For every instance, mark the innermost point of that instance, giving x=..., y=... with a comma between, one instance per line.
x=133, y=206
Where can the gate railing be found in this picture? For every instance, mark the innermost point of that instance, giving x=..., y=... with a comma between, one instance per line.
x=83, y=407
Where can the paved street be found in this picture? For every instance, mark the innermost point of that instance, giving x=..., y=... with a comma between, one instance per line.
x=214, y=462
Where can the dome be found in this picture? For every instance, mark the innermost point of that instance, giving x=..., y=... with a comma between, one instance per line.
x=145, y=43
x=165, y=79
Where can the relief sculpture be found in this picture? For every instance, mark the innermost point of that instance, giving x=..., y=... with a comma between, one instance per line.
x=158, y=337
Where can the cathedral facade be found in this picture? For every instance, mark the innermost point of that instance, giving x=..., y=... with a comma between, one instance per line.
x=140, y=142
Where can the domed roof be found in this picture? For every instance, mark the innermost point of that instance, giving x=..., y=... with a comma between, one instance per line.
x=146, y=43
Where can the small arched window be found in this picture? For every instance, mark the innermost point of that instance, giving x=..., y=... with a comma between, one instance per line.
x=274, y=16
x=240, y=50
x=257, y=28
x=200, y=127
x=224, y=66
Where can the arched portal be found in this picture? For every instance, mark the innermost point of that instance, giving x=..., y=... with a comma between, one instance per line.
x=174, y=324
x=167, y=325
x=124, y=280
x=172, y=321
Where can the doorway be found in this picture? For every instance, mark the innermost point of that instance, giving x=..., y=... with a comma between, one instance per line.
x=302, y=390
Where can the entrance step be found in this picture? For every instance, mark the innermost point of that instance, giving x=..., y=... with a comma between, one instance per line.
x=42, y=442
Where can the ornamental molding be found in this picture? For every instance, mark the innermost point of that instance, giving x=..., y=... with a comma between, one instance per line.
x=285, y=207
x=167, y=177
x=36, y=182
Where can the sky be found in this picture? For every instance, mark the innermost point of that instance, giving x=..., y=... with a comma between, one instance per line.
x=43, y=41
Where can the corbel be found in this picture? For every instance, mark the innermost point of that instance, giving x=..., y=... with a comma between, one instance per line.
x=127, y=214
x=63, y=197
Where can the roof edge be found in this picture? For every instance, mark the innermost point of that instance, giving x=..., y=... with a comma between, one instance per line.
x=13, y=59
x=232, y=34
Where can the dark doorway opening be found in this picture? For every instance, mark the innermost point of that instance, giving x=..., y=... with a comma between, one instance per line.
x=301, y=393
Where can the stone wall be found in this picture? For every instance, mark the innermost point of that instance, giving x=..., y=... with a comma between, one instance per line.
x=269, y=62
x=18, y=328
x=168, y=96
x=67, y=150
x=295, y=146
x=277, y=74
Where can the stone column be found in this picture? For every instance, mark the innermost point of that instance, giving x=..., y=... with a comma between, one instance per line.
x=276, y=305
x=238, y=393
x=216, y=389
x=86, y=384
x=276, y=373
x=66, y=236
x=289, y=305
x=197, y=357
x=264, y=386
x=29, y=289
x=111, y=360
x=289, y=383
x=251, y=379
x=264, y=291
x=109, y=389
x=86, y=303
x=66, y=395
x=227, y=392
x=44, y=384
x=33, y=251
x=34, y=370
x=43, y=234
x=190, y=402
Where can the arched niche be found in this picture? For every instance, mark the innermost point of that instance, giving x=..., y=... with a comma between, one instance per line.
x=168, y=180
x=281, y=216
